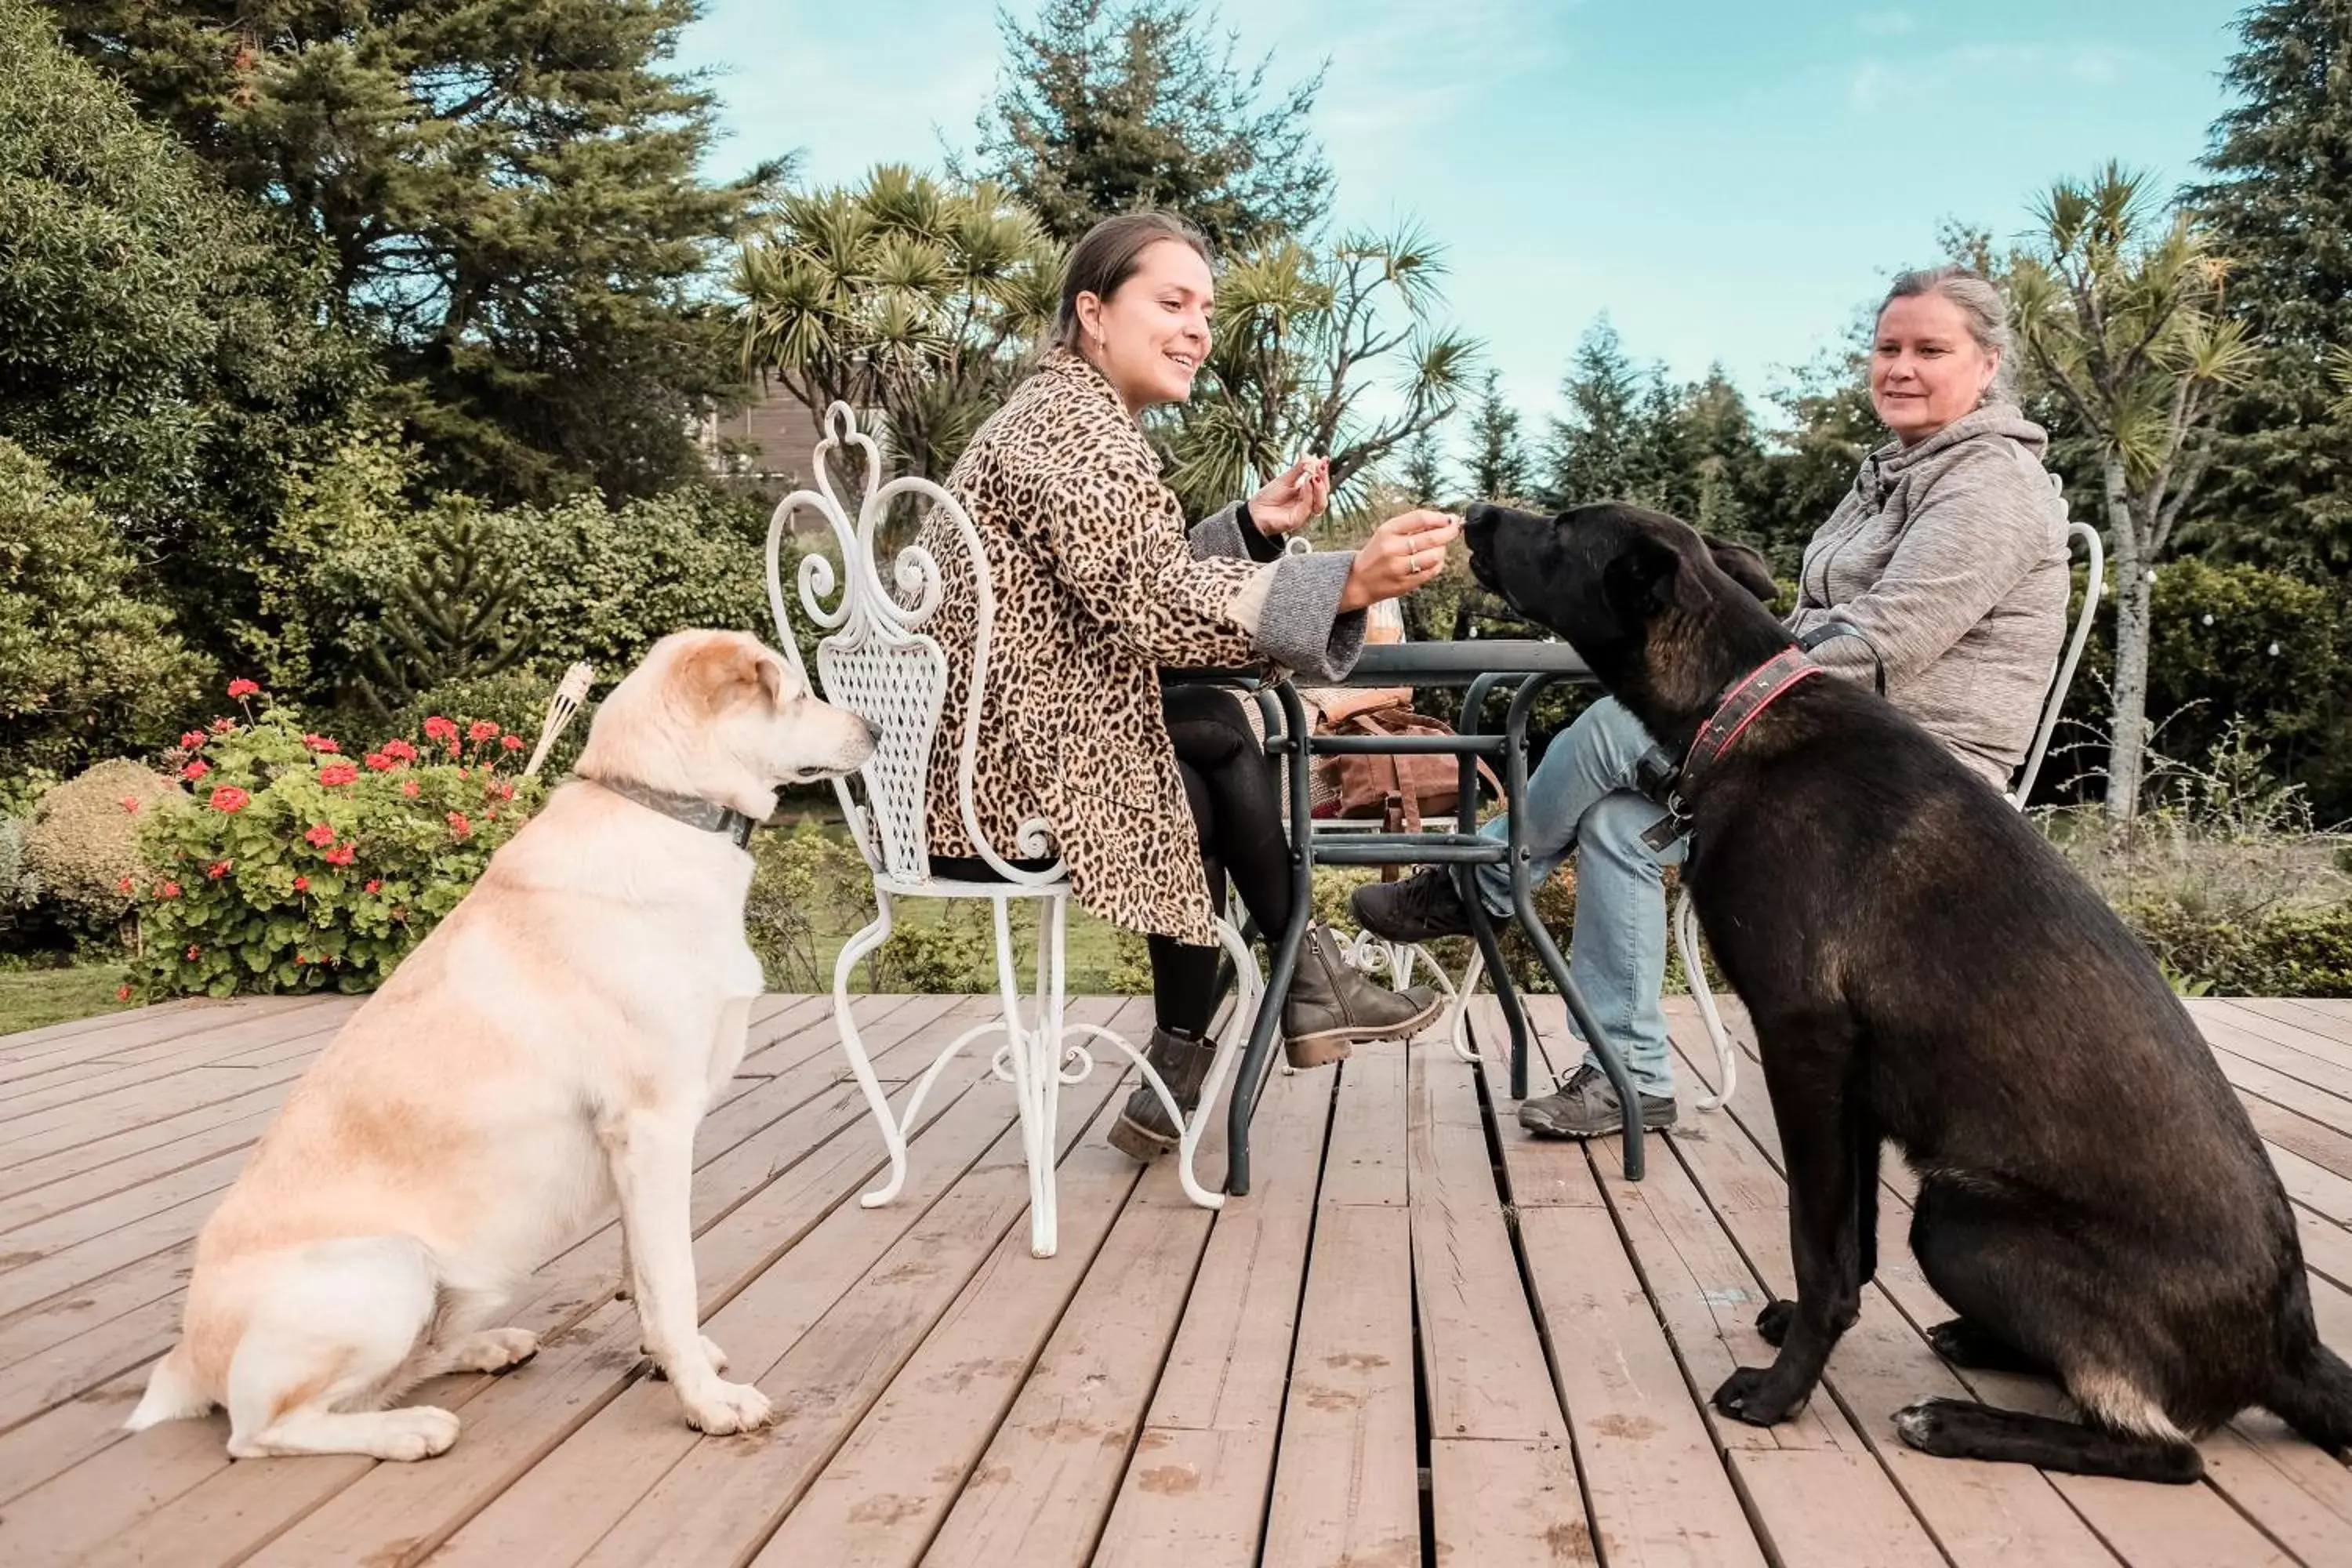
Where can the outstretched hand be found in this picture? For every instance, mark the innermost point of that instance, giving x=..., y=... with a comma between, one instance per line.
x=1403, y=553
x=1295, y=498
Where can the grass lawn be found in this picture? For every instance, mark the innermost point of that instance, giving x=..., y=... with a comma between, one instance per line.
x=36, y=998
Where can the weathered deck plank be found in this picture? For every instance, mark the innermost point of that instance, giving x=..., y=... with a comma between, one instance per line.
x=1423, y=1332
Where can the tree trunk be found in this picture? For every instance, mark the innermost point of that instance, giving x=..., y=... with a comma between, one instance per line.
x=2127, y=744
x=2126, y=757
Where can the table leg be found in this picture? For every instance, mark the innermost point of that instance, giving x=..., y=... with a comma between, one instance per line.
x=1523, y=901
x=1257, y=1061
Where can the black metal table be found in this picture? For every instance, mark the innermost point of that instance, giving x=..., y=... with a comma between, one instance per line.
x=1525, y=669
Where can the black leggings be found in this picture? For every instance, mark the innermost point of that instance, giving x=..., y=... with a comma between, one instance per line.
x=1231, y=786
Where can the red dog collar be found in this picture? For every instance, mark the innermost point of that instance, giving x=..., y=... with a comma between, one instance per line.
x=1749, y=696
x=1753, y=693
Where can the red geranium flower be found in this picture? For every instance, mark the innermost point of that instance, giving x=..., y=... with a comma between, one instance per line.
x=168, y=891
x=131, y=803
x=195, y=769
x=123, y=886
x=437, y=728
x=335, y=774
x=459, y=825
x=379, y=762
x=400, y=751
x=241, y=687
x=193, y=950
x=373, y=885
x=341, y=854
x=321, y=744
x=320, y=835
x=223, y=726
x=217, y=870
x=408, y=788
x=301, y=884
x=512, y=742
x=482, y=730
x=229, y=797
x=192, y=740
x=123, y=994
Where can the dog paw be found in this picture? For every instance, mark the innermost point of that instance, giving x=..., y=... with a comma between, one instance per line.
x=1752, y=1395
x=1773, y=1321
x=724, y=1407
x=416, y=1432
x=494, y=1350
x=1923, y=1424
x=710, y=1352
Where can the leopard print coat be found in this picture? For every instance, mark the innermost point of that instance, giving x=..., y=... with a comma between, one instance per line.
x=1098, y=587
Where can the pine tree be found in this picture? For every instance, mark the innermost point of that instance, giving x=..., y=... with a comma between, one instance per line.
x=1104, y=108
x=1424, y=470
x=1591, y=455
x=2279, y=205
x=509, y=197
x=446, y=618
x=1726, y=457
x=1499, y=460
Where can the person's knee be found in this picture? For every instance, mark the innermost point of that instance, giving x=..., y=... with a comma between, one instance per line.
x=1612, y=830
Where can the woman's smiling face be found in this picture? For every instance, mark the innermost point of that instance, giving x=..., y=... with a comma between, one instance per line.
x=1925, y=368
x=1149, y=337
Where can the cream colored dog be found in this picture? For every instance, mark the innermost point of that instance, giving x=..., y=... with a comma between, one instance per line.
x=548, y=1050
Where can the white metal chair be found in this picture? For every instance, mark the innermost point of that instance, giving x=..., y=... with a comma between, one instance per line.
x=1686, y=919
x=878, y=661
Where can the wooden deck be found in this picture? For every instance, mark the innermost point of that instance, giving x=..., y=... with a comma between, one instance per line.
x=1423, y=1340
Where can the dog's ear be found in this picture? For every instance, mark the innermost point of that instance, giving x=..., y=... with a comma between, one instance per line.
x=1649, y=576
x=1743, y=566
x=727, y=670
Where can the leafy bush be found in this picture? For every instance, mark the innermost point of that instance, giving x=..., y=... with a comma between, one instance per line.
x=304, y=868
x=2287, y=952
x=83, y=842
x=87, y=670
x=806, y=883
x=2232, y=646
x=577, y=580
x=514, y=700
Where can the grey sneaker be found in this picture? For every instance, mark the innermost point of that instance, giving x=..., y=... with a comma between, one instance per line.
x=1586, y=1106
x=1422, y=908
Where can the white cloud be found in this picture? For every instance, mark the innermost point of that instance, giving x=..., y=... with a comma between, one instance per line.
x=1933, y=75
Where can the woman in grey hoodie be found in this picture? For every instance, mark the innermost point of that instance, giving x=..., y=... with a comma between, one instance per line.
x=1949, y=554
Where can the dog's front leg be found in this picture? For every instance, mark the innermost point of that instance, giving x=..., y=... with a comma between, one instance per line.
x=652, y=1152
x=1822, y=1130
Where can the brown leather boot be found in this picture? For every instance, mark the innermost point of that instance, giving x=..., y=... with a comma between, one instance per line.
x=1143, y=1130
x=1332, y=1006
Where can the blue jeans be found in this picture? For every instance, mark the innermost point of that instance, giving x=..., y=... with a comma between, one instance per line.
x=1582, y=798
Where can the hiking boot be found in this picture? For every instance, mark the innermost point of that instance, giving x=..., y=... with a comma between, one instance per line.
x=1143, y=1130
x=1332, y=1006
x=1422, y=908
x=1586, y=1106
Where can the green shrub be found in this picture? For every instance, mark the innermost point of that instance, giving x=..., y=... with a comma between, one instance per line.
x=577, y=580
x=304, y=868
x=806, y=883
x=83, y=841
x=514, y=700
x=87, y=670
x=2284, y=952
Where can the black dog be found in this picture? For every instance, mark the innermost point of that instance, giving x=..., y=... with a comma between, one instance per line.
x=1921, y=966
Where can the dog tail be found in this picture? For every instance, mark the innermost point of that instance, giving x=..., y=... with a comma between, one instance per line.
x=2313, y=1393
x=173, y=1393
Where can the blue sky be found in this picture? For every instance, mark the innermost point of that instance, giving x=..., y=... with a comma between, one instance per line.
x=1727, y=181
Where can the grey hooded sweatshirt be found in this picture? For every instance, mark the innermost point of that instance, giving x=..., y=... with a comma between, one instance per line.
x=1951, y=557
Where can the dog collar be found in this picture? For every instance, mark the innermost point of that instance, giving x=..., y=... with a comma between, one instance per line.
x=1738, y=707
x=692, y=810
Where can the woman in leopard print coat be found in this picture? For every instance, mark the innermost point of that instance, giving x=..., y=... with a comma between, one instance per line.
x=1099, y=585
